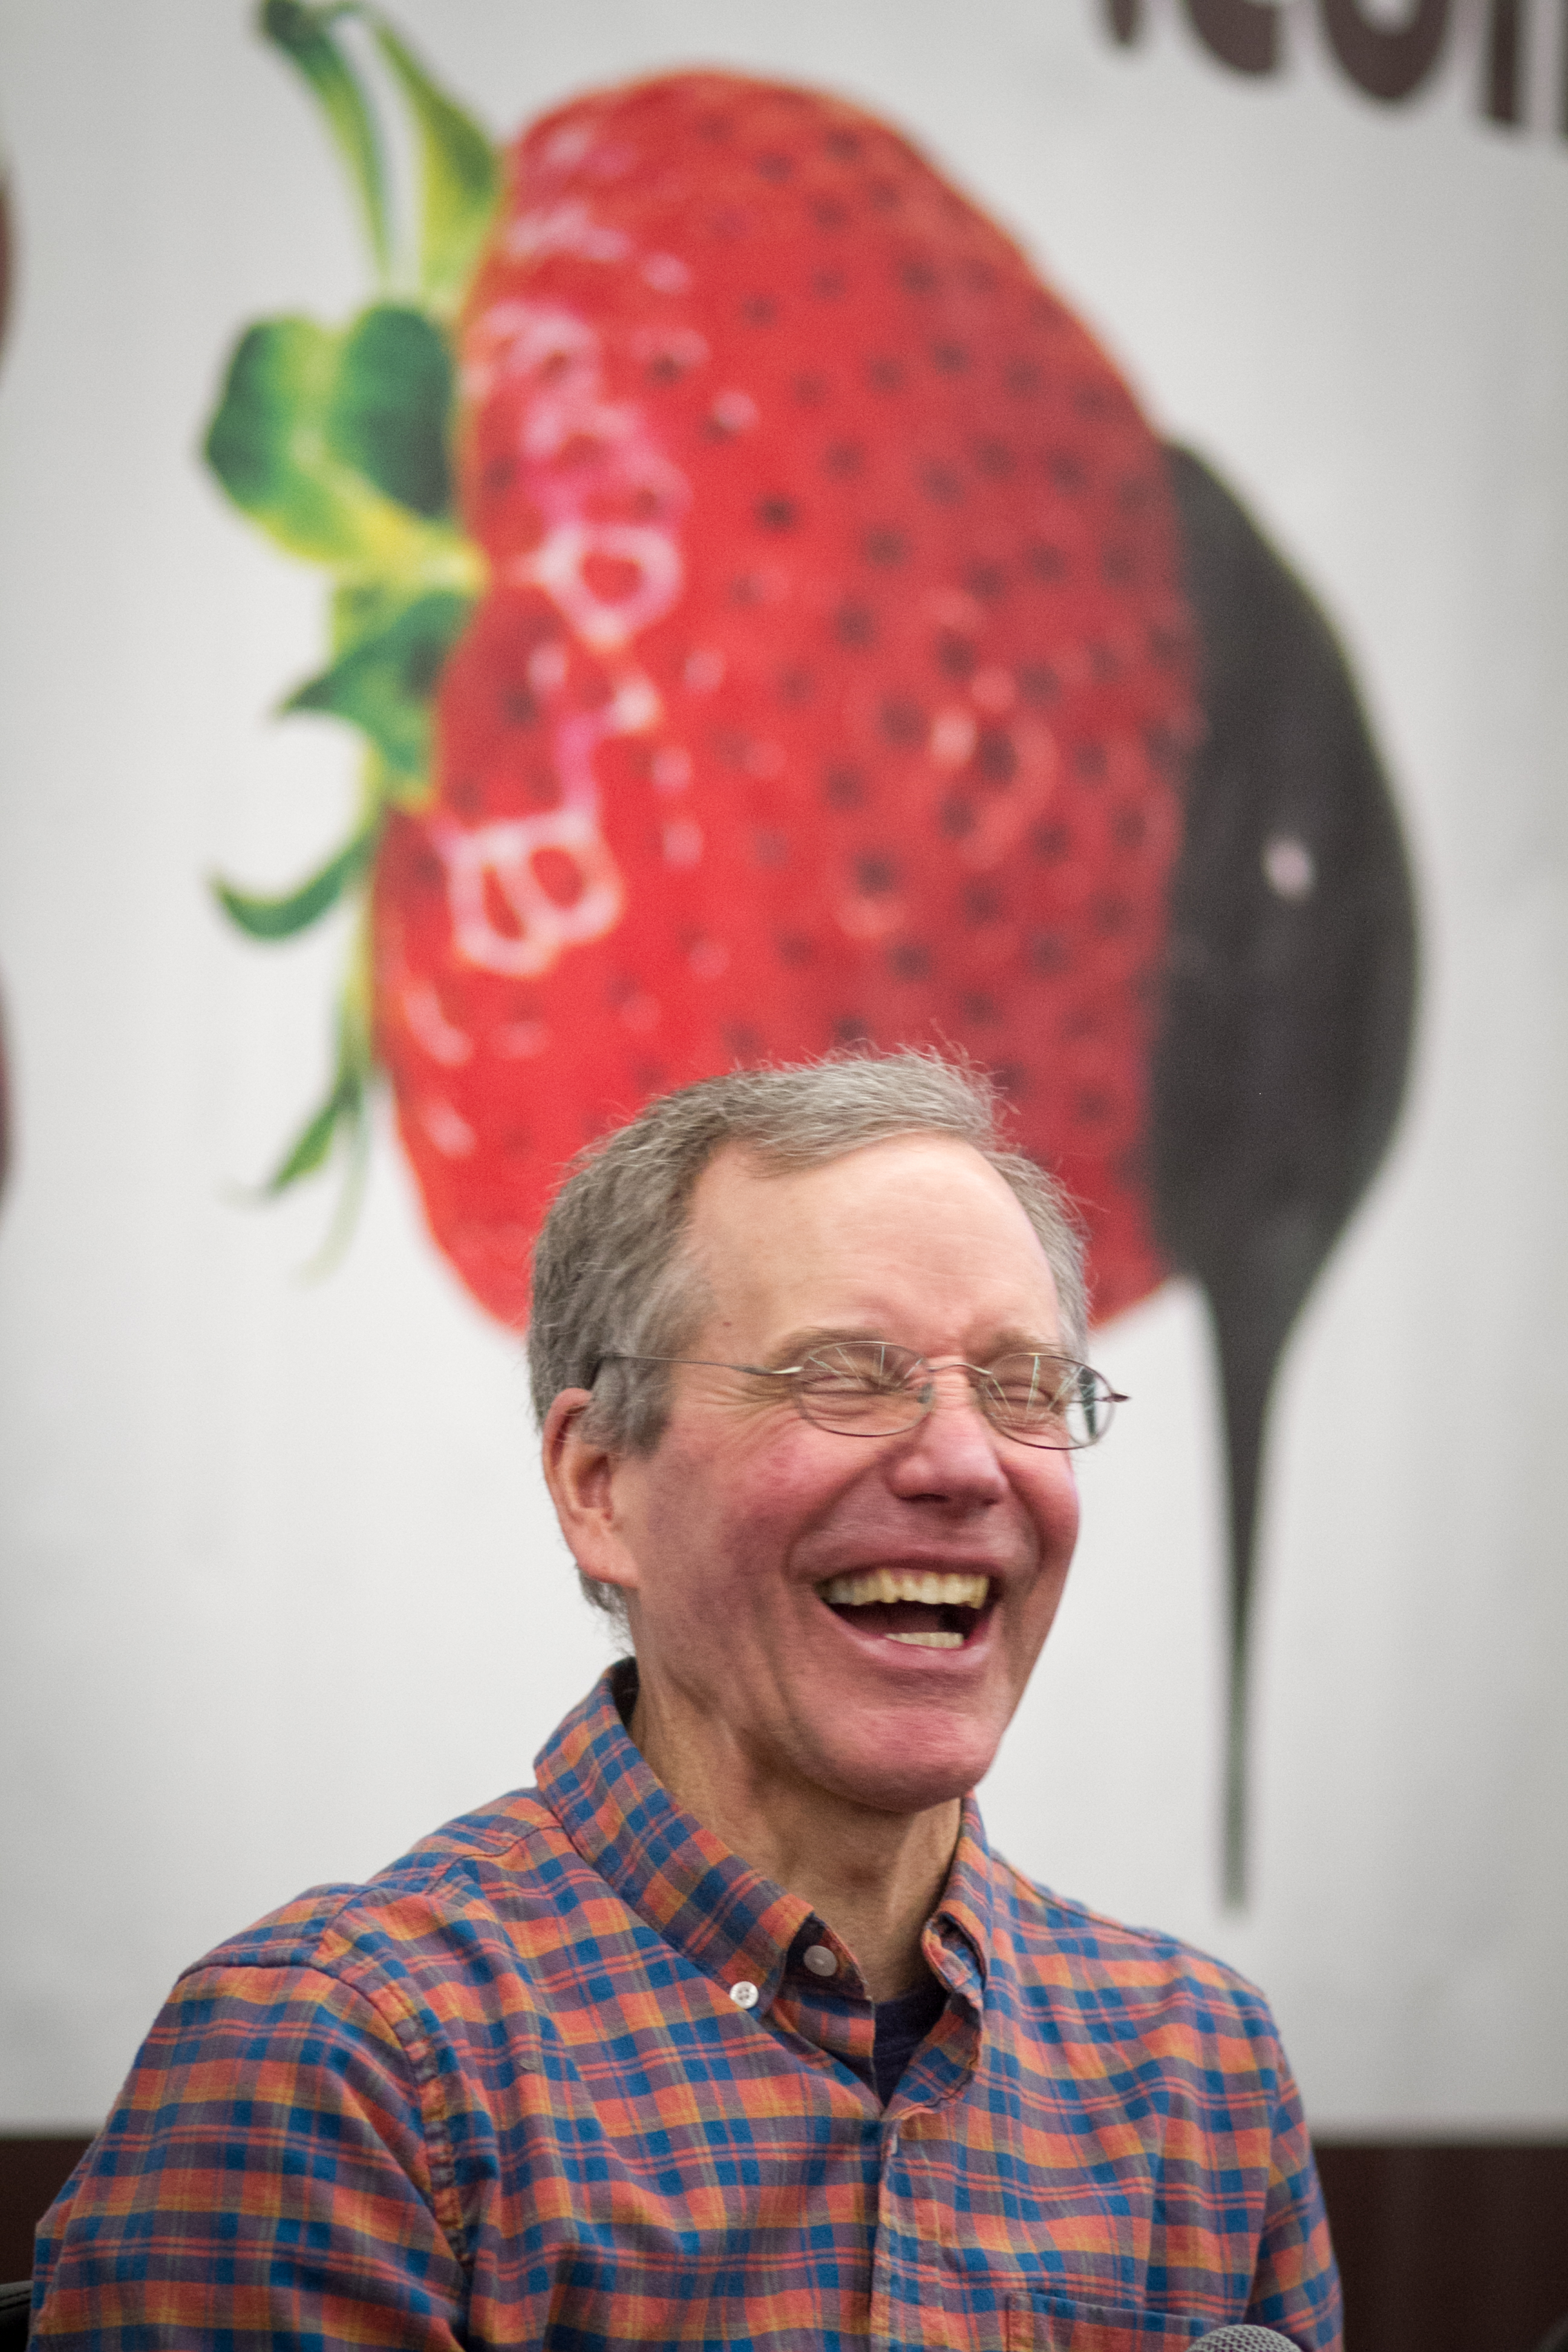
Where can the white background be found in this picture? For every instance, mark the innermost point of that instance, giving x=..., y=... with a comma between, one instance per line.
x=280, y=1588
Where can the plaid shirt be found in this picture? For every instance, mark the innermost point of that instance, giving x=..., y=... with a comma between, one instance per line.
x=504, y=2095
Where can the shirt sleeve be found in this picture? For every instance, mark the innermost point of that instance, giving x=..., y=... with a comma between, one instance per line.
x=1295, y=2286
x=265, y=2181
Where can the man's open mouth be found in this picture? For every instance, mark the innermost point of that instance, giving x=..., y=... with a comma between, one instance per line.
x=930, y=1609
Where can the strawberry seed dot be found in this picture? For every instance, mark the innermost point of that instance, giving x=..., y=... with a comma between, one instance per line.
x=942, y=483
x=903, y=722
x=996, y=757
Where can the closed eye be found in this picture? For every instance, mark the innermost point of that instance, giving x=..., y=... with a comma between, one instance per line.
x=851, y=1370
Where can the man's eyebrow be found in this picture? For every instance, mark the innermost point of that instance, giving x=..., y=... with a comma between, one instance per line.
x=796, y=1344
x=807, y=1342
x=1012, y=1339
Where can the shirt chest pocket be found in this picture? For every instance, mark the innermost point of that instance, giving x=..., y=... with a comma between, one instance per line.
x=1056, y=2323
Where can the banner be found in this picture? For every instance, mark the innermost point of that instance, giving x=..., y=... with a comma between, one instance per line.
x=1049, y=541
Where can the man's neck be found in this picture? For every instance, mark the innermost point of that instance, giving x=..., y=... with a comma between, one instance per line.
x=874, y=1878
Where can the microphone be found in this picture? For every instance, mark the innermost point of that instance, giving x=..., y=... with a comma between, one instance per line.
x=1242, y=2337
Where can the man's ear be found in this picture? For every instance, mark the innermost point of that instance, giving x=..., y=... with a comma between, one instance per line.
x=584, y=1477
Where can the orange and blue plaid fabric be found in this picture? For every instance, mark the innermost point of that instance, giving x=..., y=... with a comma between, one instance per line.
x=502, y=2095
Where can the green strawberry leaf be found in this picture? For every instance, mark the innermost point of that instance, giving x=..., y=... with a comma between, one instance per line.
x=389, y=411
x=303, y=33
x=268, y=445
x=342, y=1117
x=280, y=919
x=278, y=380
x=294, y=395
x=461, y=175
x=314, y=1141
x=385, y=682
x=362, y=609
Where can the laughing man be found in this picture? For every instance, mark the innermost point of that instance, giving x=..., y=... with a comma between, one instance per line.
x=732, y=2031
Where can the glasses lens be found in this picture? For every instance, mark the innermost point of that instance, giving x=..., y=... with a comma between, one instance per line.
x=859, y=1388
x=1049, y=1400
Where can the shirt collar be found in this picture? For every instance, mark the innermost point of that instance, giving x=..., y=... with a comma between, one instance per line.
x=714, y=1908
x=724, y=1917
x=968, y=1904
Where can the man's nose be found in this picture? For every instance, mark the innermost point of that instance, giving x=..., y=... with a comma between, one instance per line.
x=951, y=1452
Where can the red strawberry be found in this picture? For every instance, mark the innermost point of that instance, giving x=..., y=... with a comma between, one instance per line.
x=833, y=679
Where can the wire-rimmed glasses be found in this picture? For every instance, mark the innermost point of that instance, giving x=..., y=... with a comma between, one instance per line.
x=869, y=1388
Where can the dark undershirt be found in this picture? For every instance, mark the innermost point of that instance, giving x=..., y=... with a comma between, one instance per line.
x=902, y=2026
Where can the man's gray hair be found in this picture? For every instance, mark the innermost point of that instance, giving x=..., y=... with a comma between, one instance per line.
x=613, y=1277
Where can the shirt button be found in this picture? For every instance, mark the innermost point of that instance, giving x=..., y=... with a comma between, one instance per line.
x=746, y=1994
x=820, y=1960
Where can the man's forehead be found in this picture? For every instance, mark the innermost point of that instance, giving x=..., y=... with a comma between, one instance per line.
x=886, y=1213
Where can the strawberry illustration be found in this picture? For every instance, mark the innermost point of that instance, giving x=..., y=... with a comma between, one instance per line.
x=813, y=666
x=830, y=679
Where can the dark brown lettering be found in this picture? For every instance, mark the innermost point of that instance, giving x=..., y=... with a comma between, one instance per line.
x=1243, y=34
x=1388, y=61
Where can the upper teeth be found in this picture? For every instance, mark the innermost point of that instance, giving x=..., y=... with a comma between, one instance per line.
x=939, y=1590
